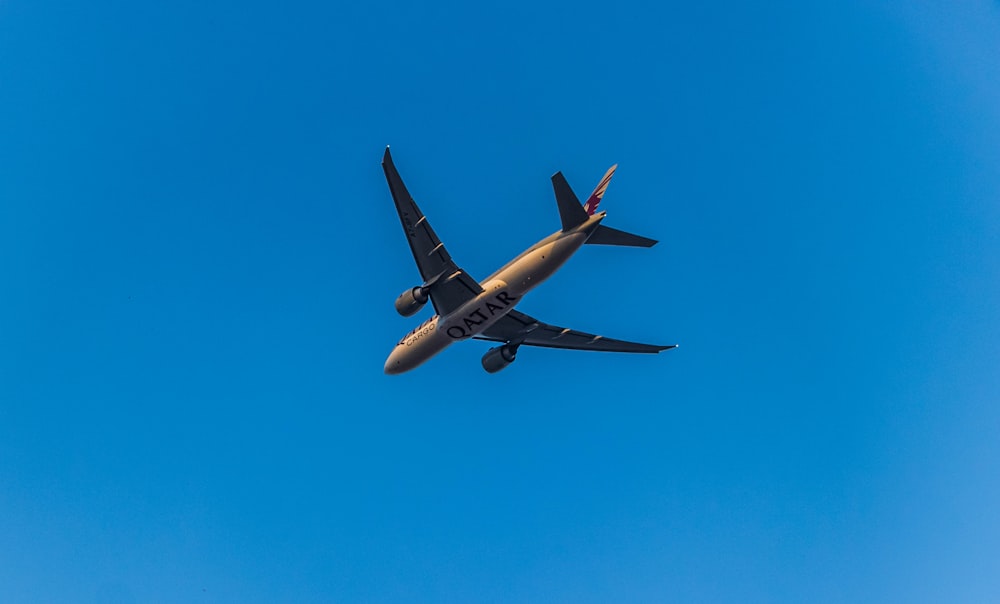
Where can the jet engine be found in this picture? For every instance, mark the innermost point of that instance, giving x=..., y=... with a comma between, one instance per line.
x=499, y=357
x=410, y=301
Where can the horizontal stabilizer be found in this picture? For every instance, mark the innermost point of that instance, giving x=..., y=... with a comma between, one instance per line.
x=571, y=212
x=605, y=235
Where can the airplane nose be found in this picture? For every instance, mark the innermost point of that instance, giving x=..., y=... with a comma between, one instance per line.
x=393, y=365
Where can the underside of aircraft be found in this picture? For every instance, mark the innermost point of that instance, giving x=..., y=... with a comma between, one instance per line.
x=484, y=310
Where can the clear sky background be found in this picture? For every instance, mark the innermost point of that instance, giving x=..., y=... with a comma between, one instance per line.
x=199, y=255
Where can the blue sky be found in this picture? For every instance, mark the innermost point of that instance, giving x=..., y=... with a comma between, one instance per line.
x=199, y=256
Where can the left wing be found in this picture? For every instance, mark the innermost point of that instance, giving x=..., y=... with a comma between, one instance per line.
x=518, y=328
x=449, y=286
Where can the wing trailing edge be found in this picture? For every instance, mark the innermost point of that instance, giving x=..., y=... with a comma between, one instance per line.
x=523, y=330
x=448, y=285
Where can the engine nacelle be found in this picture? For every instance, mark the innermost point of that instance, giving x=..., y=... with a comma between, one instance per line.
x=499, y=357
x=410, y=301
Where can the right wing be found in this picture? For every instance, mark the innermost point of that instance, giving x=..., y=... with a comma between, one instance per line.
x=449, y=286
x=518, y=328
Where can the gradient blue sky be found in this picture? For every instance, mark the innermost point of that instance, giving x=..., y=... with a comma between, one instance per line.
x=198, y=258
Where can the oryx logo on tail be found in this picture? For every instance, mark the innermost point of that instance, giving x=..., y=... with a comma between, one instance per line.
x=598, y=194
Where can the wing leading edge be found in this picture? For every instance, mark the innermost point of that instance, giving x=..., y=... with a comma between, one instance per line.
x=519, y=328
x=449, y=286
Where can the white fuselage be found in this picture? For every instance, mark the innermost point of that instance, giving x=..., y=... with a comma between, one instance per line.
x=501, y=292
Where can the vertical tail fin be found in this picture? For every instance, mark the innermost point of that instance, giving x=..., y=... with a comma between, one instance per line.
x=570, y=211
x=598, y=194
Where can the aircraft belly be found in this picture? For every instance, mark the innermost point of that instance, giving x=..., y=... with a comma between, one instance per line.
x=480, y=313
x=417, y=347
x=540, y=264
x=438, y=333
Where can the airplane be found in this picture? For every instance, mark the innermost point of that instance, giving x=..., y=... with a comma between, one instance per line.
x=484, y=310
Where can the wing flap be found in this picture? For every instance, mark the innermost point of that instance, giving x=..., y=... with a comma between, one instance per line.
x=429, y=253
x=432, y=258
x=453, y=291
x=518, y=328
